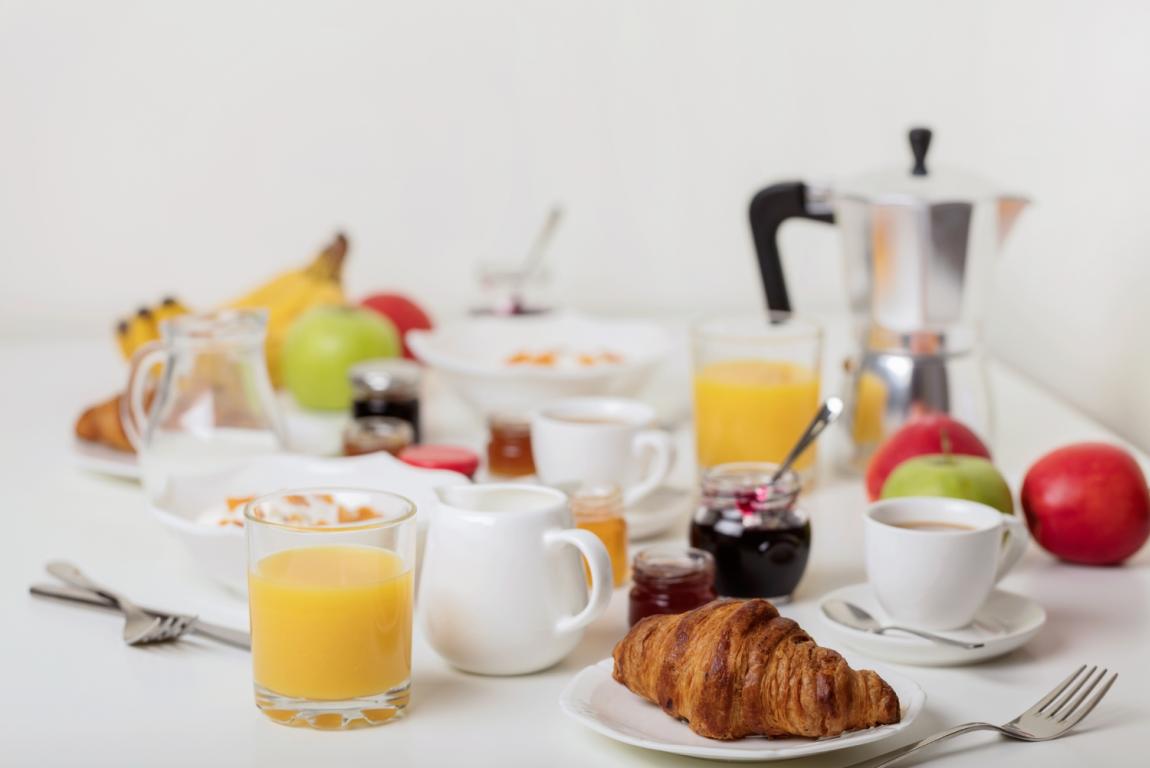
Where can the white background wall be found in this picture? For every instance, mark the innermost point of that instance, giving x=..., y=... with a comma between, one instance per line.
x=150, y=147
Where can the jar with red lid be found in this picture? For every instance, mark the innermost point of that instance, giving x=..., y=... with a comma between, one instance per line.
x=670, y=578
x=449, y=457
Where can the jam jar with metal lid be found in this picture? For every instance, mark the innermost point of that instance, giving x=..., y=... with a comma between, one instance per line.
x=372, y=434
x=759, y=536
x=386, y=387
x=670, y=578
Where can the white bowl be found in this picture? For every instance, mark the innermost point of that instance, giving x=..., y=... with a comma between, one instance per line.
x=472, y=355
x=220, y=550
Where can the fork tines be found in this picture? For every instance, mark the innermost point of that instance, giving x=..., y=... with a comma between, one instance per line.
x=1074, y=690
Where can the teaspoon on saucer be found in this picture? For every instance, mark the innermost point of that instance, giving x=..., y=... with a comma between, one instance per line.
x=855, y=617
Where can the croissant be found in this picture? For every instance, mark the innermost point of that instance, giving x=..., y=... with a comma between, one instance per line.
x=735, y=668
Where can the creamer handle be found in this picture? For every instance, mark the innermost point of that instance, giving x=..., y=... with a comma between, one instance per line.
x=602, y=579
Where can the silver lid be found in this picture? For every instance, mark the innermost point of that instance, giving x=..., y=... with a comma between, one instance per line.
x=918, y=183
x=386, y=376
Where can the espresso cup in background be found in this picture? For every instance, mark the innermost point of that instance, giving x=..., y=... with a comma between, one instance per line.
x=932, y=562
x=601, y=440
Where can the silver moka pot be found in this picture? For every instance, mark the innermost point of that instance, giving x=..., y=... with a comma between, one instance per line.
x=919, y=247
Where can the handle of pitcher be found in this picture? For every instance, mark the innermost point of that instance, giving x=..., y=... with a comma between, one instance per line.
x=769, y=209
x=602, y=579
x=133, y=414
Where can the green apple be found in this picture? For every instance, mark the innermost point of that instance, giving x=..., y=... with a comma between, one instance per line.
x=324, y=343
x=952, y=475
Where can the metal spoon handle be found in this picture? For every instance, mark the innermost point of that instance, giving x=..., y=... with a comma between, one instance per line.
x=827, y=413
x=932, y=637
x=542, y=240
x=71, y=575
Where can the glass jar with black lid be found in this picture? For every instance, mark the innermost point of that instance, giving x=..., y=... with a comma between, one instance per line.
x=753, y=527
x=387, y=387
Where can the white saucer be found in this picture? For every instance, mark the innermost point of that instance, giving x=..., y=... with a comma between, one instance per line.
x=598, y=702
x=1005, y=622
x=658, y=512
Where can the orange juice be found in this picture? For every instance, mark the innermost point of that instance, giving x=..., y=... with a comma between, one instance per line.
x=330, y=622
x=753, y=410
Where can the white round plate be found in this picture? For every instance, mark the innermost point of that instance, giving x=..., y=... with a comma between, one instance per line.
x=1005, y=622
x=598, y=702
x=94, y=457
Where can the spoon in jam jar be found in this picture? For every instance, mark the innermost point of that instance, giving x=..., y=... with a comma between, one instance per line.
x=830, y=410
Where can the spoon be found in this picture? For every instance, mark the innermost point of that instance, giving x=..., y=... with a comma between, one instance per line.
x=828, y=412
x=538, y=248
x=855, y=617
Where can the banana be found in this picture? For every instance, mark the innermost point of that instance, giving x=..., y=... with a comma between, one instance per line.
x=168, y=308
x=292, y=293
x=144, y=326
x=135, y=332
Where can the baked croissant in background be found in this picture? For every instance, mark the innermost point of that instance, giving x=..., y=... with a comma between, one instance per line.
x=735, y=668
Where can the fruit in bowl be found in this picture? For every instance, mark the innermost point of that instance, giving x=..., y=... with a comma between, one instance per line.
x=930, y=433
x=1087, y=503
x=954, y=476
x=322, y=345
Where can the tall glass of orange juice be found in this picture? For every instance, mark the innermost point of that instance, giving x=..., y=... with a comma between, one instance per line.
x=330, y=592
x=756, y=381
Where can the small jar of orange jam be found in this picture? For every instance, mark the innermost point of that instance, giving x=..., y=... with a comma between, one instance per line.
x=509, y=447
x=599, y=509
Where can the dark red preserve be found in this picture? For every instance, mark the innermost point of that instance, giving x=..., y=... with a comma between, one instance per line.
x=668, y=578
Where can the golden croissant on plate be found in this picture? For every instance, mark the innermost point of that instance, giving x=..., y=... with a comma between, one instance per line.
x=735, y=668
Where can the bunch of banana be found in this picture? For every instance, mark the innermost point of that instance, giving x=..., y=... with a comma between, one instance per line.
x=293, y=293
x=144, y=326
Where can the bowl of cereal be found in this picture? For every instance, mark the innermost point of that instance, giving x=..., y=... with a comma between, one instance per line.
x=518, y=363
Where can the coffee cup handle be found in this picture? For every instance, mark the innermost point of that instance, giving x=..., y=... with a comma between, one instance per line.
x=662, y=449
x=599, y=563
x=1017, y=539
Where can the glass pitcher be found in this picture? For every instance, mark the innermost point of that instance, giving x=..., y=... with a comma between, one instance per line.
x=210, y=407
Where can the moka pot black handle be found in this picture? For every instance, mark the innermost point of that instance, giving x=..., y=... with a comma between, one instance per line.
x=769, y=209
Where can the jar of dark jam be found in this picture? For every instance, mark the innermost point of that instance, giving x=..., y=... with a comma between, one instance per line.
x=387, y=387
x=755, y=530
x=669, y=578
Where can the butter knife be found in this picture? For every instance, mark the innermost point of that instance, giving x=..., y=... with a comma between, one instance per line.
x=227, y=635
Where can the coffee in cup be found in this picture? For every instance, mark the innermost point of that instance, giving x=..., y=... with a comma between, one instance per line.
x=932, y=561
x=601, y=440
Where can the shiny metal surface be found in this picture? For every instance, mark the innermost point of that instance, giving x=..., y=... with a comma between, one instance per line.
x=827, y=414
x=1052, y=716
x=140, y=627
x=193, y=625
x=919, y=253
x=855, y=617
x=885, y=389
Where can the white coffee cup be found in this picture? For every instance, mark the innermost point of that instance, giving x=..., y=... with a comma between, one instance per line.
x=601, y=440
x=937, y=578
x=503, y=591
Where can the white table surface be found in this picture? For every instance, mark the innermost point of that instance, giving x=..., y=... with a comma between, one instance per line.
x=72, y=694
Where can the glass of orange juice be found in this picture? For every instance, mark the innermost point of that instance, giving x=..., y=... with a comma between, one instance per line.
x=756, y=381
x=330, y=583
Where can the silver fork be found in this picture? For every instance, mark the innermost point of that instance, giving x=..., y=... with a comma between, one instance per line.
x=140, y=627
x=1054, y=714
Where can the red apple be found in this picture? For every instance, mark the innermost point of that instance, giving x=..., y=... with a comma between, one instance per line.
x=1087, y=503
x=402, y=311
x=921, y=435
